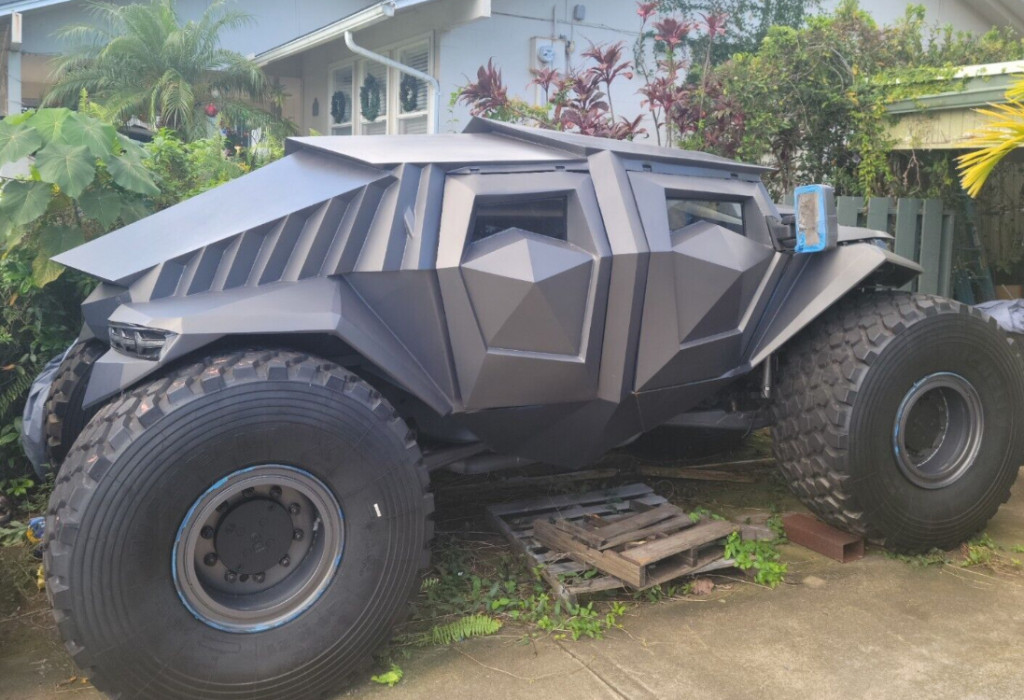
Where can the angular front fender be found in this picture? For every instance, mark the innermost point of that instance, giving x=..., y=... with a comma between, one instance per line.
x=319, y=305
x=814, y=282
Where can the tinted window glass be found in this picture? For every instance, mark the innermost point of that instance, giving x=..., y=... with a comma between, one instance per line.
x=545, y=216
x=684, y=211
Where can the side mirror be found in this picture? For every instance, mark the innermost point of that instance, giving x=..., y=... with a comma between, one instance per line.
x=817, y=228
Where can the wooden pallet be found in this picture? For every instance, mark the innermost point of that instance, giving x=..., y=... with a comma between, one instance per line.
x=634, y=537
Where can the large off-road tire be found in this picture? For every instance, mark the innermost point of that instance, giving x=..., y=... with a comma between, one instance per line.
x=897, y=417
x=249, y=526
x=65, y=416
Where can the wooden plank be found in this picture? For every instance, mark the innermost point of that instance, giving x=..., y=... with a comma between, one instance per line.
x=693, y=474
x=525, y=522
x=522, y=545
x=593, y=585
x=666, y=527
x=608, y=561
x=878, y=214
x=599, y=536
x=931, y=246
x=681, y=541
x=536, y=505
x=660, y=573
x=946, y=256
x=907, y=209
x=848, y=209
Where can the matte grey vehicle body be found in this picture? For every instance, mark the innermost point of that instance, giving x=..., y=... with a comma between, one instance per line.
x=554, y=344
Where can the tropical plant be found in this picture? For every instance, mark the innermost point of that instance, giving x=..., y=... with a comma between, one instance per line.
x=84, y=179
x=1003, y=132
x=575, y=101
x=140, y=61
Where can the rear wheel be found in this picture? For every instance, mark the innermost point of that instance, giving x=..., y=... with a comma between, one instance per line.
x=897, y=418
x=249, y=526
x=65, y=416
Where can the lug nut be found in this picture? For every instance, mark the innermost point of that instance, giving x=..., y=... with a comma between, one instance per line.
x=243, y=578
x=222, y=507
x=298, y=534
x=258, y=578
x=285, y=560
x=294, y=509
x=206, y=532
x=275, y=491
x=248, y=492
x=210, y=559
x=230, y=576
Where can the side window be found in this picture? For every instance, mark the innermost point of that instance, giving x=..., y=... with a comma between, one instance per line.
x=543, y=215
x=684, y=211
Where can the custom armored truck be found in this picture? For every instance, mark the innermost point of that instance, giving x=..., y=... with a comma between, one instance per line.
x=269, y=371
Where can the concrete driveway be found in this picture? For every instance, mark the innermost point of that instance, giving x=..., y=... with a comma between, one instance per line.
x=879, y=627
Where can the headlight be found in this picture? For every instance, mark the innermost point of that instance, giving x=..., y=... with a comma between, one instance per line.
x=138, y=341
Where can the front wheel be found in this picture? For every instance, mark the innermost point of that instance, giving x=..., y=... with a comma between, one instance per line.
x=248, y=526
x=897, y=417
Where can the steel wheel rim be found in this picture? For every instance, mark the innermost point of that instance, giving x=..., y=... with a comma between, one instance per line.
x=258, y=548
x=937, y=431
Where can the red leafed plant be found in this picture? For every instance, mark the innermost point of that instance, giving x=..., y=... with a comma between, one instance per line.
x=689, y=108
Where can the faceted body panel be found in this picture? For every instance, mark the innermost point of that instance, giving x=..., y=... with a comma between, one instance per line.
x=531, y=289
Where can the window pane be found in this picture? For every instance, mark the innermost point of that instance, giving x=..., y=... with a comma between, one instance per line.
x=412, y=96
x=683, y=212
x=544, y=216
x=412, y=125
x=374, y=94
x=341, y=96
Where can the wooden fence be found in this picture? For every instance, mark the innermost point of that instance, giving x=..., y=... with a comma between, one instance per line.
x=923, y=230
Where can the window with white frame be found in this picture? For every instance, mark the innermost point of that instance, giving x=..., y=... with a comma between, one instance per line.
x=370, y=98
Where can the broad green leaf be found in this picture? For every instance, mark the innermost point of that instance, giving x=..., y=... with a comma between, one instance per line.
x=101, y=204
x=132, y=175
x=71, y=168
x=82, y=130
x=17, y=141
x=134, y=209
x=54, y=240
x=24, y=201
x=51, y=241
x=10, y=236
x=50, y=122
x=45, y=270
x=19, y=119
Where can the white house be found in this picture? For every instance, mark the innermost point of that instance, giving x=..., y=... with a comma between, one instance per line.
x=302, y=44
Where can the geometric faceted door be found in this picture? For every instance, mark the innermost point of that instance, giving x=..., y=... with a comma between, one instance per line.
x=523, y=265
x=710, y=257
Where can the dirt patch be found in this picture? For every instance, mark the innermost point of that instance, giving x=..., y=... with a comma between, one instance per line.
x=33, y=663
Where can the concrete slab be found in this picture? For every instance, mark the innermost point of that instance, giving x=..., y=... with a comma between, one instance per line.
x=876, y=628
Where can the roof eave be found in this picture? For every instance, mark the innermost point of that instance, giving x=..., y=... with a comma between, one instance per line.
x=26, y=5
x=362, y=19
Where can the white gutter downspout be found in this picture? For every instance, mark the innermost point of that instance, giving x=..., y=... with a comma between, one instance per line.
x=435, y=85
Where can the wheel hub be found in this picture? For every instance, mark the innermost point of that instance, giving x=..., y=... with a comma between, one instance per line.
x=258, y=548
x=253, y=536
x=937, y=431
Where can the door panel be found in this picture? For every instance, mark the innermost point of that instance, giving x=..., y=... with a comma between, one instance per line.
x=524, y=264
x=710, y=257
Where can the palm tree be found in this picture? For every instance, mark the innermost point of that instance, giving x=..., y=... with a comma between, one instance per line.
x=141, y=61
x=994, y=141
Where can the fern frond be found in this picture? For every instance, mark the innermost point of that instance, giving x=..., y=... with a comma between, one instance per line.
x=463, y=628
x=13, y=393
